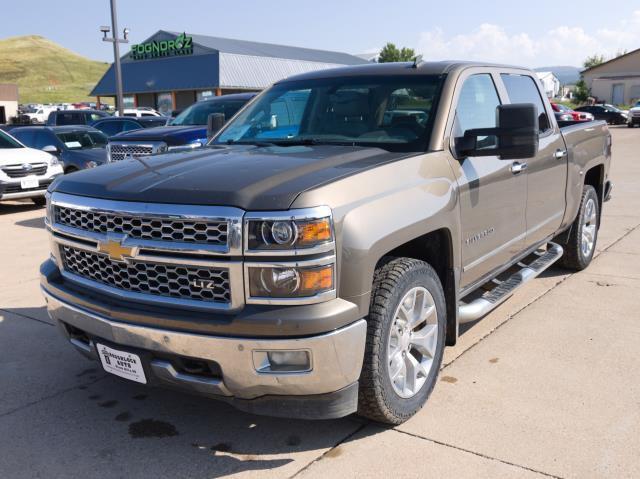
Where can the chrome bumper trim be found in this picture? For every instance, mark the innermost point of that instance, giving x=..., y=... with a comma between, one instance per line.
x=25, y=194
x=336, y=356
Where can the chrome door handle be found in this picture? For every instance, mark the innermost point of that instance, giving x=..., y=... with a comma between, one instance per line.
x=559, y=154
x=517, y=168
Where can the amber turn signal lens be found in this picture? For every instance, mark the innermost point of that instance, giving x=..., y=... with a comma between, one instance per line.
x=316, y=280
x=314, y=232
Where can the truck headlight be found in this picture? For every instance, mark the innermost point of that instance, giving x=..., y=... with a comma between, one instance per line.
x=189, y=146
x=48, y=215
x=289, y=282
x=291, y=231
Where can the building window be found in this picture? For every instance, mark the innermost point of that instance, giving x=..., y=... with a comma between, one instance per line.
x=164, y=103
x=129, y=101
x=204, y=95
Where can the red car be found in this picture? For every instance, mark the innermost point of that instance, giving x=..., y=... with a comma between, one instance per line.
x=577, y=115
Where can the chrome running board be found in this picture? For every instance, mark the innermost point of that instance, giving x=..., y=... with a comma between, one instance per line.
x=477, y=308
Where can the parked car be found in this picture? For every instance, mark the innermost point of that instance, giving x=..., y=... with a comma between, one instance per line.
x=317, y=258
x=575, y=115
x=25, y=172
x=187, y=131
x=76, y=146
x=117, y=124
x=634, y=115
x=75, y=117
x=608, y=113
x=138, y=112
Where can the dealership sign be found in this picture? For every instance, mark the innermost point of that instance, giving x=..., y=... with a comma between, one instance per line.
x=181, y=45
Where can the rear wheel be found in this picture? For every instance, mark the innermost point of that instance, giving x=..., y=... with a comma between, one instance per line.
x=581, y=245
x=405, y=341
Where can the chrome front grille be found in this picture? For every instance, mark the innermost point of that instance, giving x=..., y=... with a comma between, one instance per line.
x=213, y=232
x=22, y=170
x=199, y=283
x=120, y=150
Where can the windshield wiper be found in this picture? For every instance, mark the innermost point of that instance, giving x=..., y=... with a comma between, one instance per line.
x=258, y=143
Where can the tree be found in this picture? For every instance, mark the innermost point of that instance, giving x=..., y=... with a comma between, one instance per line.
x=594, y=61
x=581, y=92
x=391, y=53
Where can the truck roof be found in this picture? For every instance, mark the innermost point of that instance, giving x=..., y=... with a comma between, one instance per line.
x=398, y=68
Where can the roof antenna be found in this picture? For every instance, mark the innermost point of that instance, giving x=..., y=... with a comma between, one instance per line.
x=417, y=60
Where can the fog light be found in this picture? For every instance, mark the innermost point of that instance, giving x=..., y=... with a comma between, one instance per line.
x=292, y=361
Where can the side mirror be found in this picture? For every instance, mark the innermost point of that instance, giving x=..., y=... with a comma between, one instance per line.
x=214, y=123
x=516, y=136
x=54, y=150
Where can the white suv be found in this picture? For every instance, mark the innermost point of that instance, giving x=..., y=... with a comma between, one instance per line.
x=140, y=111
x=25, y=172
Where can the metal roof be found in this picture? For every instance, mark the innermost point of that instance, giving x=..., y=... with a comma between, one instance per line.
x=258, y=49
x=244, y=71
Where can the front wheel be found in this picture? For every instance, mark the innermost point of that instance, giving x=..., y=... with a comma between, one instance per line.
x=405, y=340
x=581, y=245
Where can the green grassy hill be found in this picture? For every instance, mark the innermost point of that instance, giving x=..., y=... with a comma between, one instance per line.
x=46, y=72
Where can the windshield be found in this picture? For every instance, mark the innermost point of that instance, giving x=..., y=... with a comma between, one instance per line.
x=7, y=142
x=561, y=107
x=198, y=113
x=82, y=140
x=394, y=113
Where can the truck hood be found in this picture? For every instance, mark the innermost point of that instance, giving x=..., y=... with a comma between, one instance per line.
x=248, y=177
x=171, y=135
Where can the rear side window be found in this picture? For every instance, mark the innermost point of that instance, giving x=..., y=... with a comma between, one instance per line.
x=523, y=89
x=109, y=128
x=69, y=119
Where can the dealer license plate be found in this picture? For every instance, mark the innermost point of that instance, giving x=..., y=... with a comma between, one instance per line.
x=123, y=364
x=29, y=182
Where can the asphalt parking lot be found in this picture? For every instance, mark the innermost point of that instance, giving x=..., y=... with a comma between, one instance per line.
x=546, y=385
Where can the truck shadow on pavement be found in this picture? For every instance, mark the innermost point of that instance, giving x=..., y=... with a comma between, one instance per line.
x=32, y=223
x=114, y=423
x=18, y=207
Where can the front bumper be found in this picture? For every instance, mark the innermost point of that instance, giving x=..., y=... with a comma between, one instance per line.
x=328, y=390
x=10, y=188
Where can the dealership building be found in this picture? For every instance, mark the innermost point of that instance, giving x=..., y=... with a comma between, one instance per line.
x=171, y=70
x=8, y=102
x=616, y=81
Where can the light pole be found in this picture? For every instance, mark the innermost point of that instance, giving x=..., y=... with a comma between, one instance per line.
x=116, y=53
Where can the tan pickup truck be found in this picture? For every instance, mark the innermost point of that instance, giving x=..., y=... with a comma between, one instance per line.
x=318, y=255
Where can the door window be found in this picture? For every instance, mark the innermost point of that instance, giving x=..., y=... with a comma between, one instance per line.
x=476, y=108
x=523, y=89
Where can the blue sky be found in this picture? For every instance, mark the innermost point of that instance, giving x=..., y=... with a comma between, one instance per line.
x=532, y=32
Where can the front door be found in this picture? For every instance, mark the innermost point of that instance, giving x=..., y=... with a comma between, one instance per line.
x=492, y=195
x=547, y=171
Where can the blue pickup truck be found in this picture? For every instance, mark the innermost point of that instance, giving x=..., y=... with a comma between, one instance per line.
x=188, y=130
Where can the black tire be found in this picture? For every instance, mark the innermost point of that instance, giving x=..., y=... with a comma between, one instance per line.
x=39, y=201
x=71, y=169
x=573, y=257
x=629, y=125
x=377, y=398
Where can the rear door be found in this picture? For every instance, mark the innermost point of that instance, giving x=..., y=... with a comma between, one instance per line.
x=547, y=171
x=492, y=197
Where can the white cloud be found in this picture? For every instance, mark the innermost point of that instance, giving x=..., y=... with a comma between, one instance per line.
x=562, y=45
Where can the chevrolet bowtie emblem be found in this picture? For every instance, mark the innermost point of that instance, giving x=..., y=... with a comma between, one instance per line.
x=115, y=250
